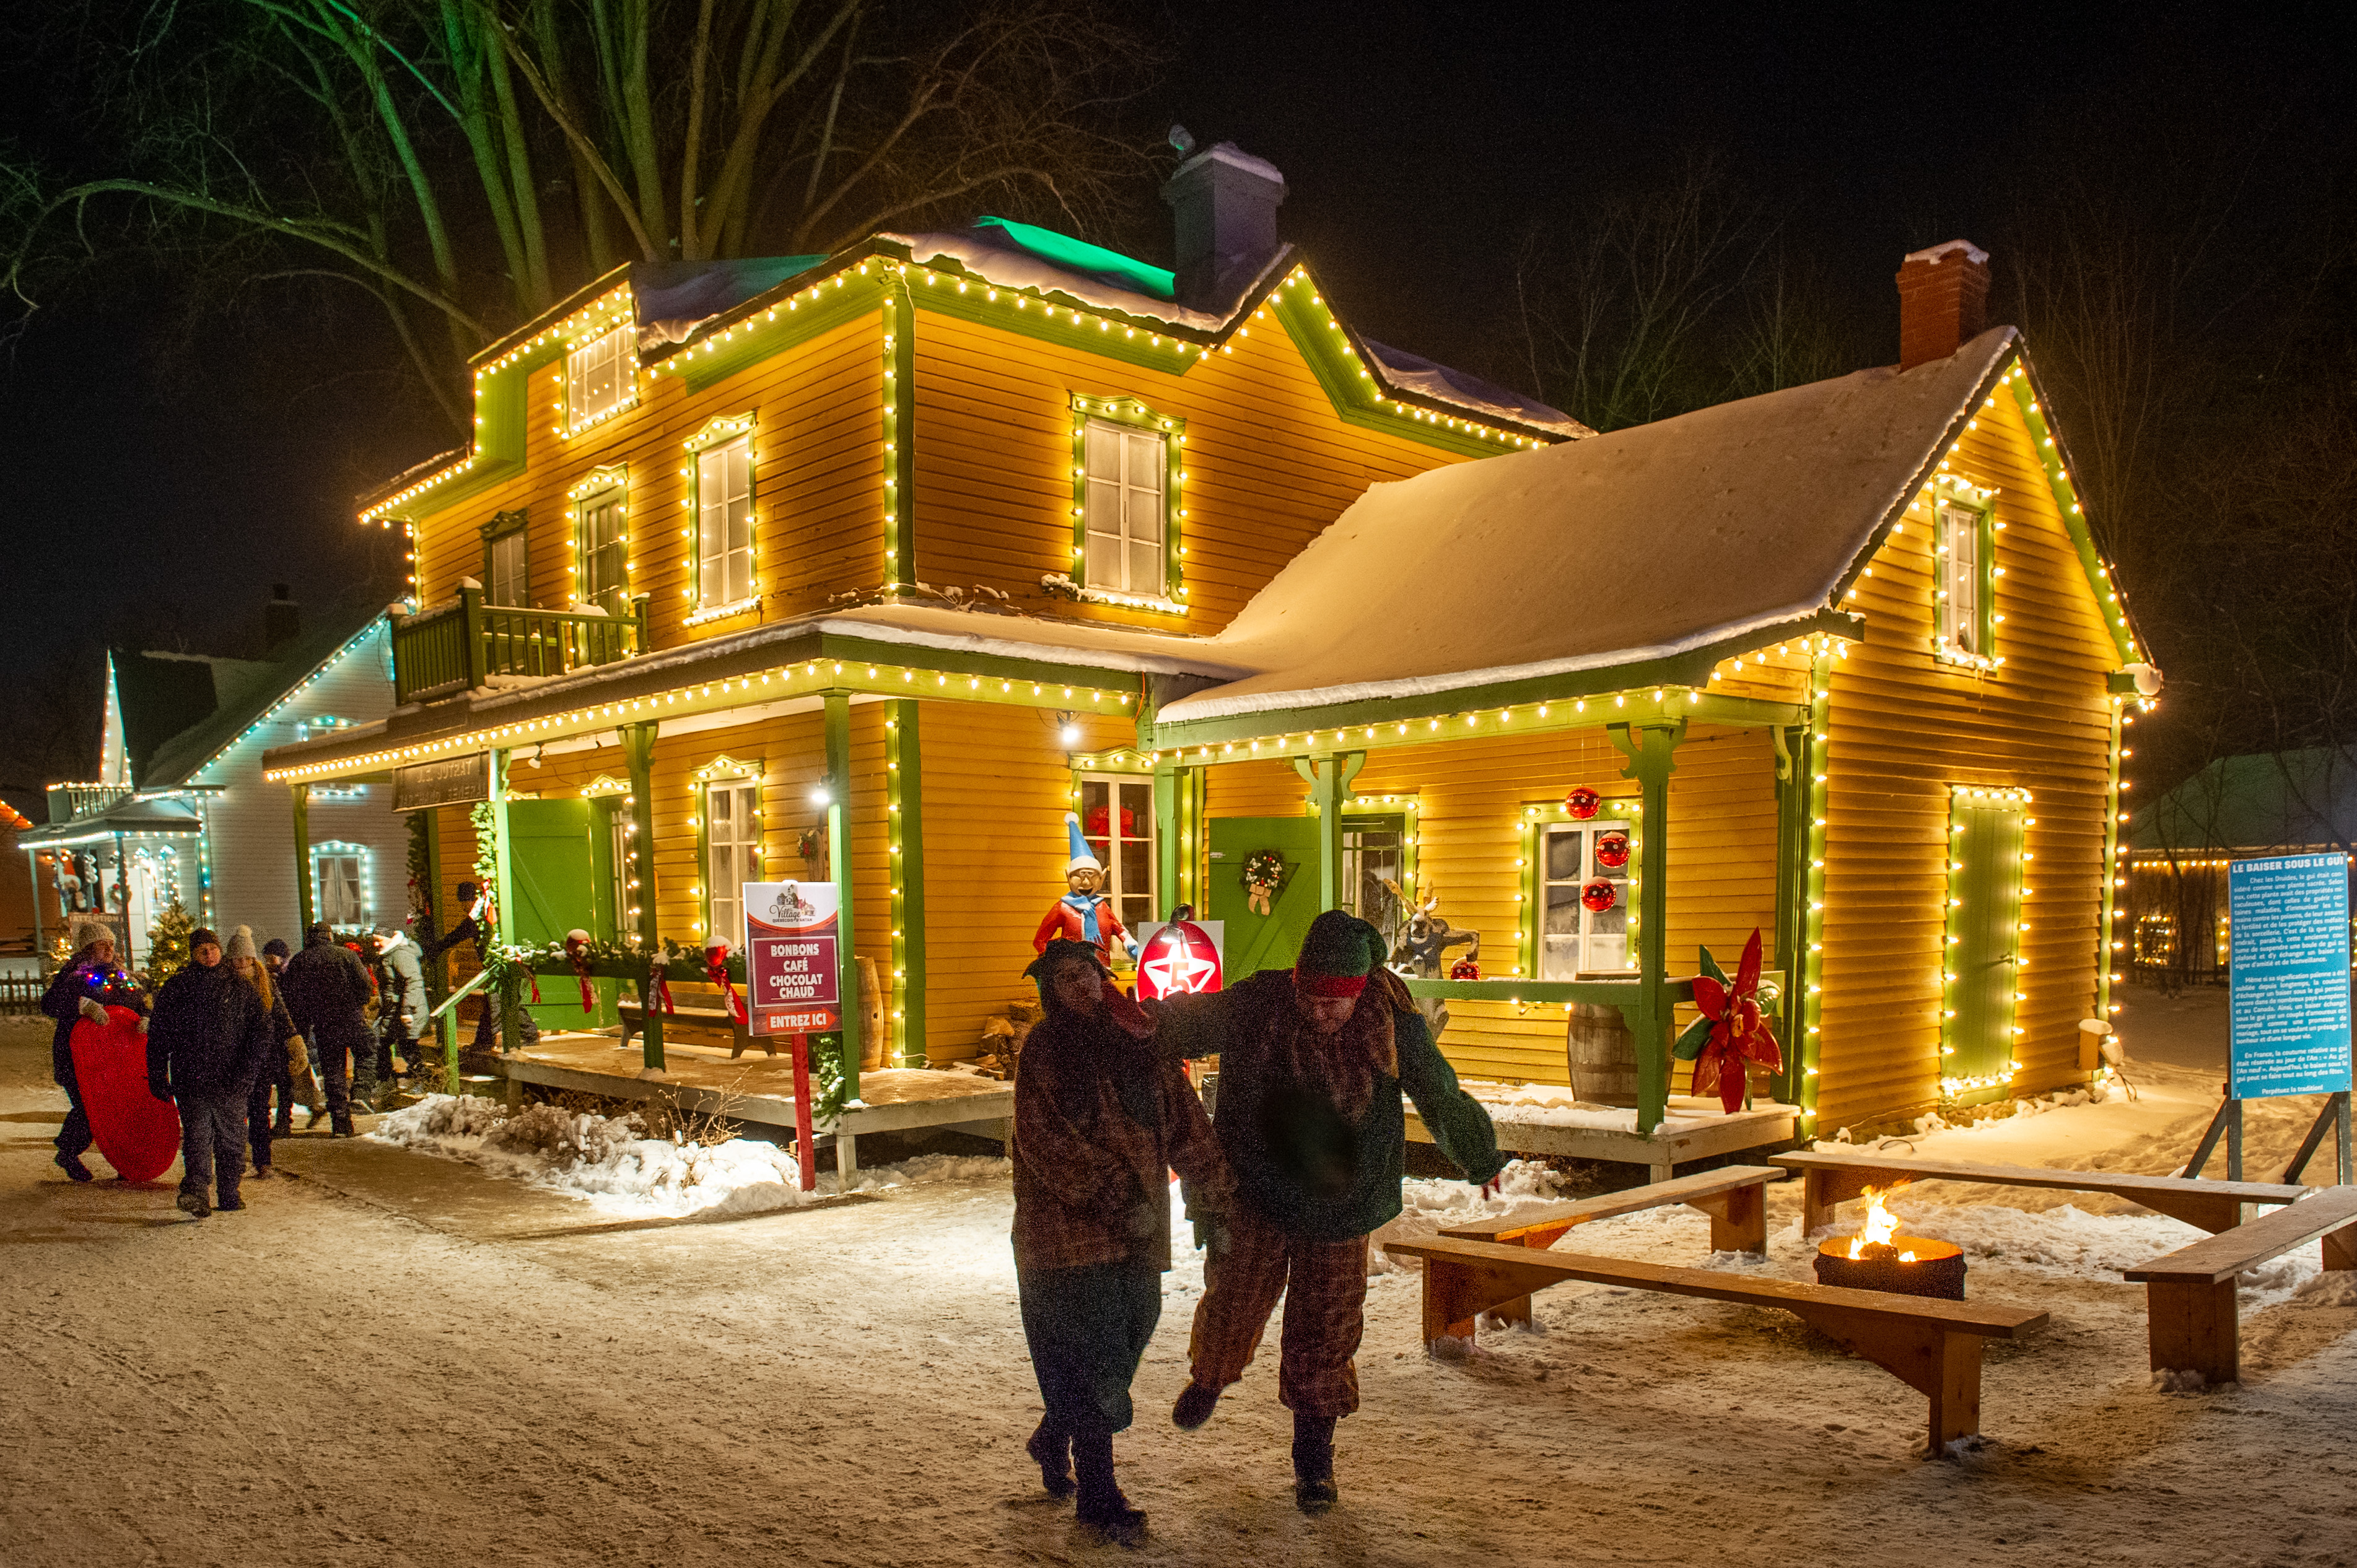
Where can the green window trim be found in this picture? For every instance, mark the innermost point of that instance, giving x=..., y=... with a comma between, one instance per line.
x=718, y=432
x=1951, y=494
x=1136, y=414
x=1537, y=817
x=723, y=770
x=1987, y=845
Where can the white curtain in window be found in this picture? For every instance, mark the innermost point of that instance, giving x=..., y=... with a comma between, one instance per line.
x=732, y=832
x=724, y=502
x=1125, y=511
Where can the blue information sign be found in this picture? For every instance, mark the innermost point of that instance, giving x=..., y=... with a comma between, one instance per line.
x=2289, y=940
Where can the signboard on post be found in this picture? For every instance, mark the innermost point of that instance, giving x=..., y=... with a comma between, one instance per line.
x=790, y=941
x=2289, y=974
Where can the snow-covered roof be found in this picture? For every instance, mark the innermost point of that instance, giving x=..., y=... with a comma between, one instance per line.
x=1644, y=543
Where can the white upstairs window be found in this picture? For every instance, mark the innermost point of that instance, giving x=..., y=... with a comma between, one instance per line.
x=598, y=378
x=1959, y=570
x=1127, y=510
x=724, y=516
x=510, y=580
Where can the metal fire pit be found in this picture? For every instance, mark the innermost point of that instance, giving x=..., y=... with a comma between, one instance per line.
x=1936, y=1270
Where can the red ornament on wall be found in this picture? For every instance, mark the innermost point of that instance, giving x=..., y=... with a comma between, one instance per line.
x=1612, y=850
x=1581, y=803
x=1464, y=969
x=1600, y=896
x=1179, y=960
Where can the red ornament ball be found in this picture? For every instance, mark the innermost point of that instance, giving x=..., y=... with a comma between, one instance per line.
x=1581, y=803
x=1464, y=969
x=1178, y=960
x=1612, y=850
x=1600, y=896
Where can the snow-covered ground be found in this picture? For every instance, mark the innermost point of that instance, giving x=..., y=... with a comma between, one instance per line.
x=400, y=1358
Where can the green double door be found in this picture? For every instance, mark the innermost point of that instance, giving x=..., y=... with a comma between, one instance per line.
x=1253, y=940
x=560, y=856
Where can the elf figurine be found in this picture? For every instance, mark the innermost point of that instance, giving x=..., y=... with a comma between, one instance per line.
x=1081, y=915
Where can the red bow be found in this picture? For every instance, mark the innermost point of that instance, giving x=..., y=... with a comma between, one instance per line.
x=716, y=970
x=661, y=984
x=576, y=949
x=1730, y=1031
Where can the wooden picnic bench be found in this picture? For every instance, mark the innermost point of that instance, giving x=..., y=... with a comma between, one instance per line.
x=1830, y=1179
x=2189, y=1309
x=1934, y=1347
x=718, y=1020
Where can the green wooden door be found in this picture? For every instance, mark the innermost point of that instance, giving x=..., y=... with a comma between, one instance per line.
x=1985, y=928
x=557, y=889
x=1253, y=941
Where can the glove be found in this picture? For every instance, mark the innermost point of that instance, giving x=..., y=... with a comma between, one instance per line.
x=1124, y=1011
x=1212, y=1235
x=1490, y=1188
x=95, y=1010
x=142, y=1026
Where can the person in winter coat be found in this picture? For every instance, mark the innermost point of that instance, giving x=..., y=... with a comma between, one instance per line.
x=327, y=985
x=1312, y=1066
x=401, y=1010
x=84, y=988
x=487, y=1017
x=208, y=1040
x=274, y=1072
x=1100, y=1118
x=302, y=1064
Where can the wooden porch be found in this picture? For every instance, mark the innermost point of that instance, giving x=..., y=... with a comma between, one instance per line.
x=1693, y=1129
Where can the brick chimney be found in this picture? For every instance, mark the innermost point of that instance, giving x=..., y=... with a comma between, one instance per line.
x=1943, y=301
x=1224, y=202
x=280, y=620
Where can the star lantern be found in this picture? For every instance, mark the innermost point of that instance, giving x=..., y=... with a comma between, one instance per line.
x=1731, y=1032
x=1179, y=960
x=1612, y=850
x=1581, y=803
x=1600, y=896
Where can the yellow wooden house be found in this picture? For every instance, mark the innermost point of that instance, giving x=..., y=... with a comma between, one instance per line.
x=867, y=568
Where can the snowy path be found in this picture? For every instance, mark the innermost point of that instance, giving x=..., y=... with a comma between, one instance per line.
x=401, y=1360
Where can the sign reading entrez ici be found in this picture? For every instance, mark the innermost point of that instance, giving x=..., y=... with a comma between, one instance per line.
x=790, y=941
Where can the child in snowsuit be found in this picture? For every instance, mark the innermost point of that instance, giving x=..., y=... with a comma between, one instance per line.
x=209, y=1038
x=90, y=983
x=1312, y=1066
x=1100, y=1118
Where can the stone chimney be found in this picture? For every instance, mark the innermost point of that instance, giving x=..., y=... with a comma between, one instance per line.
x=280, y=620
x=1943, y=301
x=1224, y=202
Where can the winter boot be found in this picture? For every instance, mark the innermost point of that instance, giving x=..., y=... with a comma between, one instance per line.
x=318, y=1113
x=72, y=1165
x=285, y=1126
x=1052, y=1451
x=1101, y=1504
x=193, y=1205
x=1313, y=1463
x=1195, y=1405
x=342, y=1127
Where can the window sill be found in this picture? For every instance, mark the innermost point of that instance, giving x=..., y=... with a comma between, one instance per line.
x=569, y=429
x=1961, y=660
x=722, y=612
x=1060, y=585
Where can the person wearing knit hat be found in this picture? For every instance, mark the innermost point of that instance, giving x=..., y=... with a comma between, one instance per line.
x=212, y=1036
x=1312, y=1063
x=326, y=986
x=274, y=1072
x=90, y=983
x=1082, y=914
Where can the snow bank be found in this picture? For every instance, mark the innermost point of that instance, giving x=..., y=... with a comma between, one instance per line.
x=611, y=1164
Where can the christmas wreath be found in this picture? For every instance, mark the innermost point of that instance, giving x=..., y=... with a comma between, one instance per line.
x=1263, y=874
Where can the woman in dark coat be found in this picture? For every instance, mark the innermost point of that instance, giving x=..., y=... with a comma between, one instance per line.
x=1101, y=1119
x=90, y=981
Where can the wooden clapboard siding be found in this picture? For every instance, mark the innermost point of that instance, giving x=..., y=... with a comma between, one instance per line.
x=997, y=782
x=455, y=826
x=1903, y=728
x=1269, y=463
x=1470, y=796
x=818, y=483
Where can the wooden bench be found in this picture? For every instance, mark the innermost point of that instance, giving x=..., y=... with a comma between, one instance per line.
x=716, y=1019
x=1828, y=1180
x=1735, y=1198
x=2189, y=1294
x=1934, y=1347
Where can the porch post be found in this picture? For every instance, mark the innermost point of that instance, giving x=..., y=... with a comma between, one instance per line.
x=1791, y=742
x=1330, y=785
x=426, y=824
x=510, y=1006
x=838, y=859
x=40, y=935
x=1167, y=880
x=639, y=879
x=1649, y=749
x=303, y=903
x=905, y=768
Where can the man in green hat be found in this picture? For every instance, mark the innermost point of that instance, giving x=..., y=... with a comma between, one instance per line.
x=1312, y=1062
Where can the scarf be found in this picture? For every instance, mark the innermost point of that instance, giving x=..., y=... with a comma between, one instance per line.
x=1085, y=904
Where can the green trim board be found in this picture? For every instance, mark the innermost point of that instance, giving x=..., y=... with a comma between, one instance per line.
x=1809, y=962
x=1650, y=750
x=838, y=863
x=639, y=754
x=805, y=307
x=2105, y=941
x=1793, y=833
x=905, y=788
x=1134, y=414
x=304, y=902
x=1987, y=834
x=503, y=525
x=1343, y=368
x=899, y=406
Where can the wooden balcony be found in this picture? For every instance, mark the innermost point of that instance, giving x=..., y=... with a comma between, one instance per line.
x=467, y=644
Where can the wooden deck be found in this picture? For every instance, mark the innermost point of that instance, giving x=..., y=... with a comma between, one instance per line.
x=1695, y=1130
x=702, y=1078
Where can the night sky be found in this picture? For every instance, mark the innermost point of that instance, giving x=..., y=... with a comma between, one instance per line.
x=162, y=475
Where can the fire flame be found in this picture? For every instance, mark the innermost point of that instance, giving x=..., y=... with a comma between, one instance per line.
x=1881, y=1226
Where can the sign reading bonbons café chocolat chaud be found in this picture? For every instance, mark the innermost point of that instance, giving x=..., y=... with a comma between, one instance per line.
x=790, y=951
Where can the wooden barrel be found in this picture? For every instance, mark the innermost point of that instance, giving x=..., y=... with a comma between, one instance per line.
x=1602, y=1054
x=871, y=1017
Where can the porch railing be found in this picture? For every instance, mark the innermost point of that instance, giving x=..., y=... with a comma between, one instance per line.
x=463, y=645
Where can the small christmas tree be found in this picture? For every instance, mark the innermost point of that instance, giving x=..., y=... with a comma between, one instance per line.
x=167, y=944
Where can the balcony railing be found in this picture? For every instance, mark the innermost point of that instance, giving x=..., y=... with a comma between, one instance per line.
x=465, y=644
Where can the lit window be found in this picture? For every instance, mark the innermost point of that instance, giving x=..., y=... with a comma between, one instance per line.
x=618, y=841
x=1574, y=938
x=1117, y=819
x=1960, y=579
x=724, y=515
x=339, y=894
x=506, y=579
x=1126, y=512
x=598, y=378
x=732, y=838
x=604, y=548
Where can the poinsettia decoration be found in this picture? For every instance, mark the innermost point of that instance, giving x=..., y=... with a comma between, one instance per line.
x=1731, y=1030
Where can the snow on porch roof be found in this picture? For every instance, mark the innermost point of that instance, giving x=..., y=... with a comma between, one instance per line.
x=1641, y=545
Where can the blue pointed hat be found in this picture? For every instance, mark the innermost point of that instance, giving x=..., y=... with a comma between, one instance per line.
x=1082, y=856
